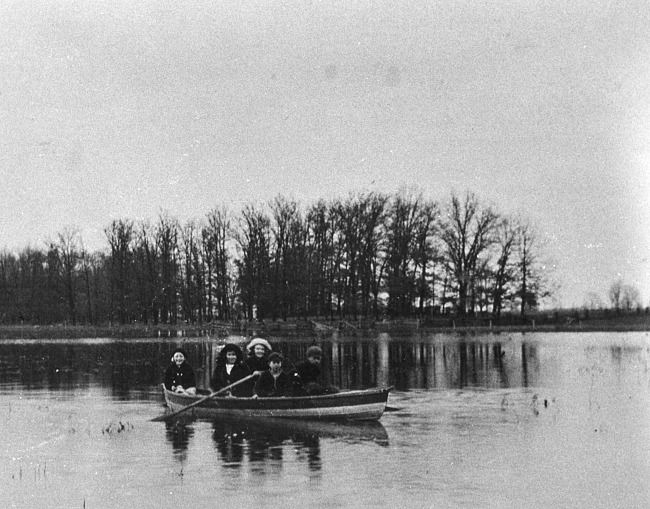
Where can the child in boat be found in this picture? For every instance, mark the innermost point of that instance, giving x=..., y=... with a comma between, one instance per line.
x=258, y=355
x=179, y=376
x=274, y=381
x=230, y=369
x=308, y=376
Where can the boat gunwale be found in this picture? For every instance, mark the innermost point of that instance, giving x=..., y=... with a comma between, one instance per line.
x=335, y=395
x=363, y=404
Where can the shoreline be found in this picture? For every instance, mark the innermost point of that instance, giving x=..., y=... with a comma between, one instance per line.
x=308, y=329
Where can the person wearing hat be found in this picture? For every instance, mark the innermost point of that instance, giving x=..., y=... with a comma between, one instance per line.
x=258, y=355
x=231, y=369
x=308, y=376
x=179, y=375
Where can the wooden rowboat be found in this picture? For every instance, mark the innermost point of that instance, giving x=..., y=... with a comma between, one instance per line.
x=364, y=405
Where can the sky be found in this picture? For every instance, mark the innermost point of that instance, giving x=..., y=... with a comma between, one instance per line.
x=125, y=110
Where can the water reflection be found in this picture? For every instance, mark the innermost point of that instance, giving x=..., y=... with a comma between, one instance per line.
x=426, y=362
x=129, y=368
x=563, y=423
x=59, y=365
x=179, y=434
x=261, y=444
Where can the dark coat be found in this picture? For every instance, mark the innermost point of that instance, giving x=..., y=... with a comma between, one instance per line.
x=309, y=380
x=254, y=363
x=179, y=375
x=309, y=373
x=267, y=385
x=221, y=378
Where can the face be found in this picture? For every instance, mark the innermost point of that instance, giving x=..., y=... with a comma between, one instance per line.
x=231, y=357
x=178, y=358
x=259, y=351
x=275, y=366
x=314, y=359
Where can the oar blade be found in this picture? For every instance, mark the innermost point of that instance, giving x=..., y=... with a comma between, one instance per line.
x=161, y=418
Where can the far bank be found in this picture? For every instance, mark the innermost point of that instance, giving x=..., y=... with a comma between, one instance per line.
x=549, y=322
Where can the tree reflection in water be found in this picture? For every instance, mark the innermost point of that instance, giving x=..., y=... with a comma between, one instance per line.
x=133, y=369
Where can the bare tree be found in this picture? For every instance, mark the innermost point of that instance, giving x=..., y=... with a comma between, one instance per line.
x=349, y=239
x=409, y=251
x=191, y=280
x=120, y=239
x=254, y=241
x=373, y=229
x=631, y=297
x=340, y=257
x=467, y=233
x=360, y=222
x=506, y=236
x=425, y=252
x=29, y=287
x=147, y=261
x=216, y=237
x=87, y=262
x=167, y=234
x=68, y=257
x=289, y=235
x=320, y=253
x=400, y=284
x=531, y=278
x=593, y=301
x=616, y=293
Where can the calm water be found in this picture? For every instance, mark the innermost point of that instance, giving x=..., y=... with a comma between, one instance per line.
x=535, y=420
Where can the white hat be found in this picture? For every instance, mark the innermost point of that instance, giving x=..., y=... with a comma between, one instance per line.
x=259, y=341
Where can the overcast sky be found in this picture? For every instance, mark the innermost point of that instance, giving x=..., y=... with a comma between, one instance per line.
x=121, y=110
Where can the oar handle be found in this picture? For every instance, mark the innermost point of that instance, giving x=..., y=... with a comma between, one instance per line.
x=227, y=388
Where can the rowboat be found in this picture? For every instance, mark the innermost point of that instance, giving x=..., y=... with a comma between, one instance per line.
x=359, y=405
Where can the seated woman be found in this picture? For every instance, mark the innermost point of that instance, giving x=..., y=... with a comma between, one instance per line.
x=258, y=355
x=274, y=381
x=179, y=376
x=230, y=369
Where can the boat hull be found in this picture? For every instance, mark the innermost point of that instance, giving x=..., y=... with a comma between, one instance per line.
x=366, y=405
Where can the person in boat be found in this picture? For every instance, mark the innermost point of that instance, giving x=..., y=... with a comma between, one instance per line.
x=308, y=379
x=179, y=376
x=258, y=355
x=274, y=381
x=230, y=368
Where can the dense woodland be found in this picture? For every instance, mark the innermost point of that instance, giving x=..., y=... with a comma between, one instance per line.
x=369, y=256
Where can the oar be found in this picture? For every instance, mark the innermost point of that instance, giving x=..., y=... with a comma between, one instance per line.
x=164, y=417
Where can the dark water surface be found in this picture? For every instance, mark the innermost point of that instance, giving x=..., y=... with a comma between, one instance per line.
x=511, y=420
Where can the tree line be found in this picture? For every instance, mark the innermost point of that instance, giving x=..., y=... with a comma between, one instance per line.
x=370, y=255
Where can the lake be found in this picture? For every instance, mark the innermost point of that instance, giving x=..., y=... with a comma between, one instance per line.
x=508, y=420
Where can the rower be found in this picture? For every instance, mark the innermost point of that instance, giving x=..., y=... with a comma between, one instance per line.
x=274, y=382
x=308, y=376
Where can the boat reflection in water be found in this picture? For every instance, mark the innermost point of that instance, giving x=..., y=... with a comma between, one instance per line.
x=179, y=434
x=257, y=441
